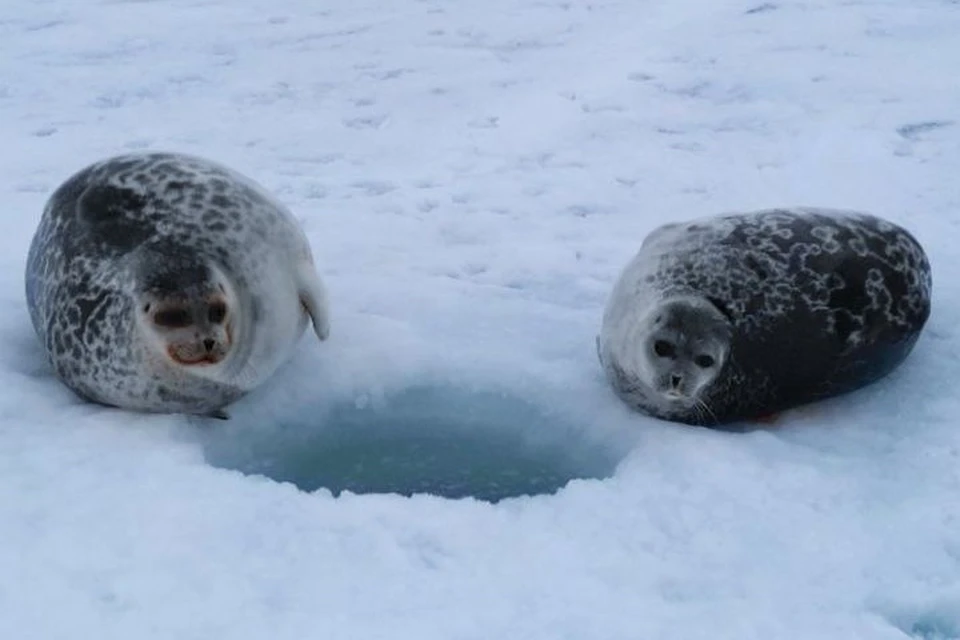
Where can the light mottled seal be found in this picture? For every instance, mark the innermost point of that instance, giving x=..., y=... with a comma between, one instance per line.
x=163, y=282
x=743, y=315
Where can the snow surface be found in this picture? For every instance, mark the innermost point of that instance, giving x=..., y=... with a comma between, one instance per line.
x=472, y=176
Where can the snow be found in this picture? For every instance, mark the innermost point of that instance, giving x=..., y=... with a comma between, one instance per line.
x=472, y=176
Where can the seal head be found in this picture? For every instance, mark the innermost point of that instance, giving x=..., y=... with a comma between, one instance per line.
x=186, y=309
x=677, y=349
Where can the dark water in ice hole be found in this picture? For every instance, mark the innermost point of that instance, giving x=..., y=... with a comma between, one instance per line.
x=445, y=441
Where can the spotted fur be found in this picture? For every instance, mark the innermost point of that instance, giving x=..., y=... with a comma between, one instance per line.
x=161, y=220
x=820, y=301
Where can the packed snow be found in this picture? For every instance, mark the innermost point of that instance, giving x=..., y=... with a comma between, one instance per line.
x=472, y=176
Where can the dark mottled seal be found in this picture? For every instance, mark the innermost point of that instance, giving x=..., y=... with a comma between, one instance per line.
x=163, y=282
x=743, y=315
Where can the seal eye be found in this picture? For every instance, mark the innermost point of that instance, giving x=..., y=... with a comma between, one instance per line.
x=704, y=361
x=217, y=312
x=173, y=318
x=664, y=349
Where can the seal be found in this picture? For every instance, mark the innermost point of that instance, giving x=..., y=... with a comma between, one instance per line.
x=167, y=283
x=744, y=315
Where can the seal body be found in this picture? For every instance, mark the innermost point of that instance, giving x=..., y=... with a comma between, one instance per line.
x=742, y=315
x=164, y=282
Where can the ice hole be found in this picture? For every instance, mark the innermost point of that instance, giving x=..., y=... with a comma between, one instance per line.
x=444, y=441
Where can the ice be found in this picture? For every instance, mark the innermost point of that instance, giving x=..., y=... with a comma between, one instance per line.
x=472, y=177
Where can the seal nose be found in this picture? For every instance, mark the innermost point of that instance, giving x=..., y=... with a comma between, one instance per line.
x=209, y=344
x=675, y=380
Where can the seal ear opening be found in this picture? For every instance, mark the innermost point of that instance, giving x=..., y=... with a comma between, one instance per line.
x=313, y=297
x=721, y=307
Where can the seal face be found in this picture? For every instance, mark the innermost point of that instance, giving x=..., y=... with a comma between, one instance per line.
x=167, y=283
x=743, y=315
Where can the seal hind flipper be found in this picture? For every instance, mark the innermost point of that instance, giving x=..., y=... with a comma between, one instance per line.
x=313, y=298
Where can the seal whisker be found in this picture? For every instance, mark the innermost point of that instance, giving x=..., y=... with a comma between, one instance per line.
x=706, y=409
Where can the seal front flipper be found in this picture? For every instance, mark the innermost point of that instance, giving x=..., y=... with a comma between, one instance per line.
x=313, y=297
